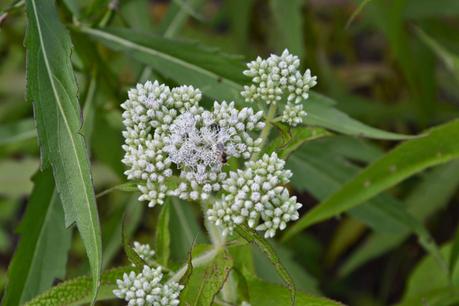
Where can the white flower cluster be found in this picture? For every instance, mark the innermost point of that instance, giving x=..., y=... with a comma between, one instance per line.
x=256, y=196
x=168, y=133
x=146, y=288
x=277, y=77
x=145, y=252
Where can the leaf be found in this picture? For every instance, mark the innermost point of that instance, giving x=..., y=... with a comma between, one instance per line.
x=422, y=282
x=205, y=282
x=131, y=254
x=163, y=235
x=52, y=88
x=77, y=291
x=126, y=187
x=17, y=131
x=326, y=116
x=41, y=255
x=449, y=59
x=252, y=237
x=288, y=20
x=327, y=172
x=266, y=294
x=430, y=195
x=184, y=228
x=215, y=74
x=438, y=146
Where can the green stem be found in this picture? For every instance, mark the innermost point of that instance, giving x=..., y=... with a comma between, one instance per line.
x=267, y=129
x=196, y=262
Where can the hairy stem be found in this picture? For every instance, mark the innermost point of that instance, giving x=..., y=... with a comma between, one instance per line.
x=267, y=129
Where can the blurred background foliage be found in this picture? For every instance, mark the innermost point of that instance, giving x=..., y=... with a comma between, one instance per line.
x=392, y=64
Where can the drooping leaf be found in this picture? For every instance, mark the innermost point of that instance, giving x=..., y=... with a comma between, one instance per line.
x=327, y=171
x=266, y=294
x=429, y=196
x=252, y=237
x=205, y=282
x=163, y=235
x=77, y=291
x=52, y=88
x=41, y=255
x=438, y=146
x=216, y=74
x=326, y=116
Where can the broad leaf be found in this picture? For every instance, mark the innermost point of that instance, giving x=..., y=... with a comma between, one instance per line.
x=438, y=146
x=205, y=282
x=41, y=255
x=252, y=237
x=52, y=88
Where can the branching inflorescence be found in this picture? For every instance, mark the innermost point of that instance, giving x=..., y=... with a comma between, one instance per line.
x=175, y=147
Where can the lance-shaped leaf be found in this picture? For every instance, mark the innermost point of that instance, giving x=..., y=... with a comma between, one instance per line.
x=438, y=146
x=52, y=88
x=163, y=235
x=41, y=254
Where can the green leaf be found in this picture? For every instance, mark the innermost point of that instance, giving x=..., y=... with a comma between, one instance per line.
x=216, y=74
x=438, y=146
x=266, y=294
x=17, y=131
x=430, y=195
x=425, y=280
x=252, y=237
x=41, y=255
x=131, y=254
x=288, y=20
x=77, y=291
x=52, y=88
x=205, y=282
x=126, y=187
x=185, y=230
x=163, y=235
x=326, y=116
x=449, y=59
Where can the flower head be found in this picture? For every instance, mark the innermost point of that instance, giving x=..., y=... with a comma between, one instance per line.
x=146, y=288
x=255, y=196
x=277, y=77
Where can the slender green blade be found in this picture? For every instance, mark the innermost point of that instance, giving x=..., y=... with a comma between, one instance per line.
x=163, y=235
x=41, y=254
x=52, y=88
x=438, y=146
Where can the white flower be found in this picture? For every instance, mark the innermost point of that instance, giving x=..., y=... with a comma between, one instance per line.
x=293, y=114
x=277, y=77
x=145, y=252
x=146, y=288
x=255, y=196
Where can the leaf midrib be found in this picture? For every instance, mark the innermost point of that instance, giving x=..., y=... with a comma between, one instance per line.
x=56, y=96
